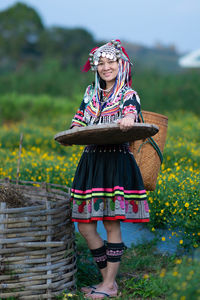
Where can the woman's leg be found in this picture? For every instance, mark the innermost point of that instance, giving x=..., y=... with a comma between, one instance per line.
x=114, y=252
x=95, y=244
x=114, y=242
x=89, y=232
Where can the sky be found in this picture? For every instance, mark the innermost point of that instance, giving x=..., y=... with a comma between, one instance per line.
x=145, y=22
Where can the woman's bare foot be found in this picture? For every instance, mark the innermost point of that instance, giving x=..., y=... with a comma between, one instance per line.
x=104, y=290
x=88, y=289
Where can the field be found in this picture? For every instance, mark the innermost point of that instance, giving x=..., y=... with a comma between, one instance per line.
x=175, y=204
x=41, y=86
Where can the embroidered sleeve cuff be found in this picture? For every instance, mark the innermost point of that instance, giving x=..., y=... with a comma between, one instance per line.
x=129, y=110
x=78, y=120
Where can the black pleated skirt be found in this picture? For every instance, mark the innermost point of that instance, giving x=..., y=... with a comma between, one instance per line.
x=108, y=186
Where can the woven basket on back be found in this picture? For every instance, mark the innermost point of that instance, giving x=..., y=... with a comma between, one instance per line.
x=145, y=154
x=37, y=250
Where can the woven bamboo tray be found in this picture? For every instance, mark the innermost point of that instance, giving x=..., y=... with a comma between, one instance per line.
x=146, y=156
x=105, y=134
x=37, y=250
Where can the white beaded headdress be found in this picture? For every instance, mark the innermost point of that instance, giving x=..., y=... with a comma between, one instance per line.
x=110, y=50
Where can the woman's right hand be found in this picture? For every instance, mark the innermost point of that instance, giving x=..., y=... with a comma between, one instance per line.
x=126, y=123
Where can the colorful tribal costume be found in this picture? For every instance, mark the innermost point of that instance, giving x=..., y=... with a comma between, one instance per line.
x=108, y=184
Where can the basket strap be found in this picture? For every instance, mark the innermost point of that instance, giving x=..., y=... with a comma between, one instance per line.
x=152, y=142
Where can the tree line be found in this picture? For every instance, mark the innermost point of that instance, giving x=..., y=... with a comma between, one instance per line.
x=24, y=40
x=35, y=59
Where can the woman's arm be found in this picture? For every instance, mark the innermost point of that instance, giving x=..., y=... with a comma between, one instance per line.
x=130, y=111
x=78, y=119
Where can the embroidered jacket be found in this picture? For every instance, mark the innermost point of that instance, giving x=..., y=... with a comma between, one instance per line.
x=91, y=112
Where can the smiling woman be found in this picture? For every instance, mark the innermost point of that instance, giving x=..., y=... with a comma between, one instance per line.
x=108, y=185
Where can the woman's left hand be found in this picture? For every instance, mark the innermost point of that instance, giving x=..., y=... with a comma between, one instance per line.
x=126, y=122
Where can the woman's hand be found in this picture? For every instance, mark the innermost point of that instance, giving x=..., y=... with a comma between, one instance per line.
x=126, y=122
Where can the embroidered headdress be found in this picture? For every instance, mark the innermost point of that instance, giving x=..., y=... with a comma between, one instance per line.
x=113, y=51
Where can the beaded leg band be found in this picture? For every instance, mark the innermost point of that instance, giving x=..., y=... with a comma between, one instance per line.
x=100, y=257
x=114, y=251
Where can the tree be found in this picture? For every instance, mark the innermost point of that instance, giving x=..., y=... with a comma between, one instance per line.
x=20, y=30
x=71, y=46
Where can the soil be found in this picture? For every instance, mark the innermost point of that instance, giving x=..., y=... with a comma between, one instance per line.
x=12, y=196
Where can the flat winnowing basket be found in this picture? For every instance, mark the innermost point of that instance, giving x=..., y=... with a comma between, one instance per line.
x=37, y=242
x=145, y=151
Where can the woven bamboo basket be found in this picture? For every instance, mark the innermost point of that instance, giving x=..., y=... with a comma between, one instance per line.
x=145, y=154
x=37, y=250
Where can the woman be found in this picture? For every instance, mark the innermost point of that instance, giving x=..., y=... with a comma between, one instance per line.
x=108, y=185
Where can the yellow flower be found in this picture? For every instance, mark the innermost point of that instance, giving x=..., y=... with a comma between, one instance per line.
x=167, y=203
x=181, y=242
x=67, y=295
x=184, y=284
x=178, y=261
x=152, y=229
x=146, y=276
x=182, y=298
x=163, y=238
x=174, y=295
x=191, y=272
x=187, y=204
x=150, y=199
x=162, y=273
x=175, y=273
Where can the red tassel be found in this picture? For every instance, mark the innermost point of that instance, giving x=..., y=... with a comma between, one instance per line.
x=123, y=49
x=87, y=66
x=129, y=75
x=130, y=78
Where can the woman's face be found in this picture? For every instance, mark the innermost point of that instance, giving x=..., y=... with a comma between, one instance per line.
x=108, y=70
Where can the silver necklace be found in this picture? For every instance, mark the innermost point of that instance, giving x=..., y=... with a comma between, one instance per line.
x=108, y=90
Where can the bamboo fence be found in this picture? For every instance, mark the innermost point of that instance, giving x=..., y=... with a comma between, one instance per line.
x=37, y=249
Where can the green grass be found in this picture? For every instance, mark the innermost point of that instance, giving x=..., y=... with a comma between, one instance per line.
x=144, y=274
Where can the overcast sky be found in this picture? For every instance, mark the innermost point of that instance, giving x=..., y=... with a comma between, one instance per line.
x=140, y=21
